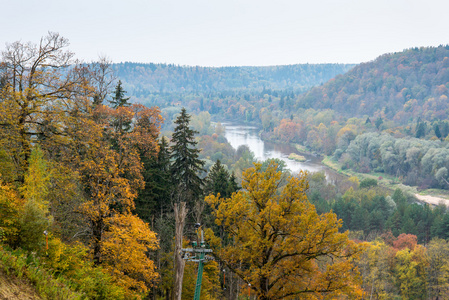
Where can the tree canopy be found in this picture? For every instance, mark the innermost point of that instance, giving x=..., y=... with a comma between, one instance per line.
x=280, y=245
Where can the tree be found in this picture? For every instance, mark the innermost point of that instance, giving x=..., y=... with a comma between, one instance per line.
x=111, y=174
x=438, y=268
x=420, y=129
x=103, y=76
x=186, y=165
x=218, y=181
x=436, y=128
x=124, y=252
x=368, y=183
x=156, y=194
x=50, y=107
x=119, y=99
x=379, y=121
x=410, y=272
x=377, y=273
x=35, y=217
x=41, y=85
x=179, y=262
x=281, y=246
x=441, y=176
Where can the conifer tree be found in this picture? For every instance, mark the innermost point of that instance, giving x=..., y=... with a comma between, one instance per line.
x=220, y=181
x=119, y=99
x=186, y=165
x=437, y=131
x=153, y=198
x=233, y=186
x=217, y=180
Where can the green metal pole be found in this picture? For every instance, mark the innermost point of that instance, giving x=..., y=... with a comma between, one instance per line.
x=199, y=277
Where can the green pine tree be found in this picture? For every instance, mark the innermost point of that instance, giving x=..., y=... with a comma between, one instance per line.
x=232, y=185
x=420, y=129
x=118, y=98
x=437, y=131
x=154, y=198
x=217, y=181
x=186, y=166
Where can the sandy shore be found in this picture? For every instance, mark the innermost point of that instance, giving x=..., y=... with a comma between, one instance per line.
x=432, y=200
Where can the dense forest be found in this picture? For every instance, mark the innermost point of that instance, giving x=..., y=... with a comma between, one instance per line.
x=399, y=87
x=100, y=194
x=403, y=95
x=96, y=204
x=143, y=80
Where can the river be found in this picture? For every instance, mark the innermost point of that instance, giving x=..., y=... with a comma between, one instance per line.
x=238, y=135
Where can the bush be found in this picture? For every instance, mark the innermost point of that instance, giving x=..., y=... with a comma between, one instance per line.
x=368, y=182
x=72, y=262
x=24, y=265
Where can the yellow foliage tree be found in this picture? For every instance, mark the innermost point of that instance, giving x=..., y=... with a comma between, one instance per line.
x=279, y=244
x=124, y=252
x=35, y=217
x=377, y=274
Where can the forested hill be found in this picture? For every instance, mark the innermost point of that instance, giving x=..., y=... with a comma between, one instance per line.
x=143, y=79
x=400, y=86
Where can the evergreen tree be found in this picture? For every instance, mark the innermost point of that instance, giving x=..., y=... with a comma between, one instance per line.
x=186, y=165
x=379, y=121
x=118, y=99
x=232, y=185
x=437, y=131
x=420, y=129
x=154, y=197
x=220, y=181
x=217, y=181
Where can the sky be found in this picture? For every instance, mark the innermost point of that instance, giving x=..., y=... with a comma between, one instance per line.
x=229, y=32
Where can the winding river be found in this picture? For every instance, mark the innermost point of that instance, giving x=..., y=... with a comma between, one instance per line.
x=238, y=135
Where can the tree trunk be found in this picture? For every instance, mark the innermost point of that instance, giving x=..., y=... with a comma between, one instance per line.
x=179, y=263
x=97, y=231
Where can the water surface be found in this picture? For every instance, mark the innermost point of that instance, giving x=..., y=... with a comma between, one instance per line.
x=238, y=135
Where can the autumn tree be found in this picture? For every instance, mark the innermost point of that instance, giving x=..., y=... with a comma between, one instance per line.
x=35, y=217
x=438, y=269
x=103, y=78
x=281, y=246
x=40, y=85
x=64, y=150
x=125, y=249
x=111, y=176
x=377, y=271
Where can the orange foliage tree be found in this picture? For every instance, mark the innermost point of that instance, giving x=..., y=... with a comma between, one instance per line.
x=50, y=101
x=279, y=244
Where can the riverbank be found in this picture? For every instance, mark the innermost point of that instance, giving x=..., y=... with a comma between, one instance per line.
x=431, y=196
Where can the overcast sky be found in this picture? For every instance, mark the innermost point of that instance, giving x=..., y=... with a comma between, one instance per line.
x=230, y=32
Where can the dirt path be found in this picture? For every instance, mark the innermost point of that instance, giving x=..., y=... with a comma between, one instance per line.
x=432, y=200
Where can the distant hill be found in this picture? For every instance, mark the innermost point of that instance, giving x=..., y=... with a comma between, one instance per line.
x=143, y=79
x=400, y=86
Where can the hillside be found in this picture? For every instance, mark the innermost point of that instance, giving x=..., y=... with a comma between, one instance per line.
x=13, y=288
x=143, y=79
x=400, y=86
